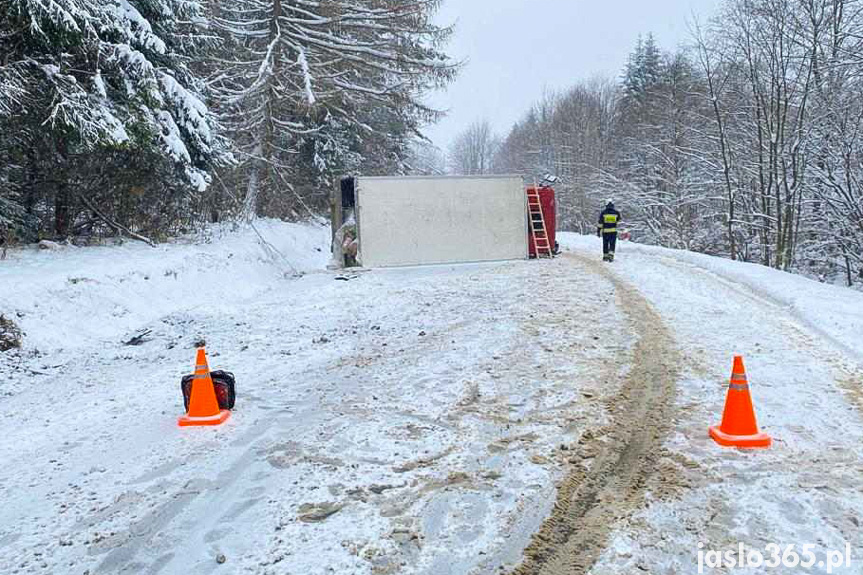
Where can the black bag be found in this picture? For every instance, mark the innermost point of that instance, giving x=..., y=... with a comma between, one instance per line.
x=223, y=383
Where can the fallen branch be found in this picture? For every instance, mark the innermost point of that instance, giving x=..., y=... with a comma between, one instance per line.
x=139, y=339
x=121, y=229
x=269, y=248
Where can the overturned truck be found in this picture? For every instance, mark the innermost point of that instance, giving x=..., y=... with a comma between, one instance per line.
x=403, y=221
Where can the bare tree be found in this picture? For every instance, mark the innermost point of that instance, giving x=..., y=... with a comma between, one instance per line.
x=745, y=145
x=473, y=151
x=716, y=71
x=835, y=40
x=426, y=159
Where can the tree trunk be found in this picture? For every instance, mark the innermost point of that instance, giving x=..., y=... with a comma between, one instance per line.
x=61, y=210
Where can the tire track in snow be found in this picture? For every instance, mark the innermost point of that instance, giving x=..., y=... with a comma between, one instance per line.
x=622, y=455
x=808, y=483
x=141, y=533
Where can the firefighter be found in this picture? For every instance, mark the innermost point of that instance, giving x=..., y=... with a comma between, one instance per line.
x=606, y=228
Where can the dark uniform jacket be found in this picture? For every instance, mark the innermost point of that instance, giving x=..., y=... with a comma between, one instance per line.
x=608, y=220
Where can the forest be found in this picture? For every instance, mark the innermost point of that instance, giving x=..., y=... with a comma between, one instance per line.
x=746, y=142
x=148, y=118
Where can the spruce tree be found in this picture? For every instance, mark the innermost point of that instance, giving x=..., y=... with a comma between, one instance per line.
x=95, y=82
x=310, y=90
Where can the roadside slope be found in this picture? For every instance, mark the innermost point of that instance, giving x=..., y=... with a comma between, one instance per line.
x=833, y=312
x=73, y=297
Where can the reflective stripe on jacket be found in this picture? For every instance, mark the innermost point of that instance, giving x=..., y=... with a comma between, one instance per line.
x=608, y=220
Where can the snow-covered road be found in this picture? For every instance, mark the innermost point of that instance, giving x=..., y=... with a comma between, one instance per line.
x=419, y=420
x=404, y=421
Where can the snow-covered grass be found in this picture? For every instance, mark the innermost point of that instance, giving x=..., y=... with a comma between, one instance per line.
x=74, y=297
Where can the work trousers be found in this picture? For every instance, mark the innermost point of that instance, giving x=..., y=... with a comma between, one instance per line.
x=609, y=241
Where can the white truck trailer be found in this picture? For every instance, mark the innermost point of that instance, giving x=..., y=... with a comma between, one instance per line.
x=402, y=221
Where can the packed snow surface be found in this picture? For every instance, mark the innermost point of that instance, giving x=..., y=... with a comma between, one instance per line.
x=400, y=420
x=414, y=420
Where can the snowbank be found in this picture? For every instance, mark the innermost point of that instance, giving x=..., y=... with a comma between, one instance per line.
x=70, y=297
x=836, y=313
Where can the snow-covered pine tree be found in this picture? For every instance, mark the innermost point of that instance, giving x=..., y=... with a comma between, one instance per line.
x=665, y=177
x=643, y=69
x=636, y=180
x=102, y=83
x=13, y=217
x=306, y=86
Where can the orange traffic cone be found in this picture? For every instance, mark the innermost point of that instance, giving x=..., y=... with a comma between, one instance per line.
x=203, y=405
x=738, y=427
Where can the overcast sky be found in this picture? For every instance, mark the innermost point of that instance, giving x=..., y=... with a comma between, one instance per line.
x=515, y=48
